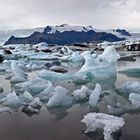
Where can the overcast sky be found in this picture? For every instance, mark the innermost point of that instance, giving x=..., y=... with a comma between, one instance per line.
x=103, y=14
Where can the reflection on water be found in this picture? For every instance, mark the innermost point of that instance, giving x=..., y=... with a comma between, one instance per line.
x=64, y=123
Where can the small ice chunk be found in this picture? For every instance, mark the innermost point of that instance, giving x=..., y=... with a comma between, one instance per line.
x=26, y=97
x=35, y=103
x=130, y=87
x=74, y=57
x=4, y=109
x=110, y=54
x=18, y=79
x=60, y=98
x=135, y=99
x=35, y=86
x=82, y=94
x=95, y=95
x=47, y=93
x=117, y=110
x=12, y=101
x=29, y=110
x=18, y=71
x=108, y=123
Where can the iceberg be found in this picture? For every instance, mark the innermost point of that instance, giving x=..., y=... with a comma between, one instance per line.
x=29, y=110
x=95, y=96
x=129, y=87
x=108, y=123
x=35, y=103
x=12, y=101
x=18, y=73
x=102, y=67
x=34, y=86
x=60, y=98
x=82, y=94
x=4, y=109
x=26, y=97
x=47, y=93
x=33, y=66
x=74, y=57
x=117, y=110
x=131, y=72
x=135, y=99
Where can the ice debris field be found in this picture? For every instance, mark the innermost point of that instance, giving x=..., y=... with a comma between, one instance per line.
x=34, y=83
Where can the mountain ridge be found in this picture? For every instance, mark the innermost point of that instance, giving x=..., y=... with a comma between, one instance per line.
x=66, y=35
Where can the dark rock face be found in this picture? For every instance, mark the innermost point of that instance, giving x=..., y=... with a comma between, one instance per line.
x=1, y=58
x=123, y=32
x=64, y=38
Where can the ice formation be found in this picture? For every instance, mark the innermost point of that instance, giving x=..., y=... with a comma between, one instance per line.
x=95, y=95
x=26, y=97
x=60, y=98
x=110, y=124
x=135, y=99
x=33, y=66
x=130, y=87
x=74, y=57
x=12, y=101
x=18, y=73
x=102, y=67
x=34, y=86
x=117, y=110
x=4, y=109
x=82, y=94
x=35, y=103
x=47, y=93
x=131, y=72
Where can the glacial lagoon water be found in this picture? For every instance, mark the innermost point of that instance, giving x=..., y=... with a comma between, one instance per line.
x=65, y=123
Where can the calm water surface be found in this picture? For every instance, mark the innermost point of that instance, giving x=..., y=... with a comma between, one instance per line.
x=64, y=124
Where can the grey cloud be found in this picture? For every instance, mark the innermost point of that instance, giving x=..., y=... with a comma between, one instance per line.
x=99, y=13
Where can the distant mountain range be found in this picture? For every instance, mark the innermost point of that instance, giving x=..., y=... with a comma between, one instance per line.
x=65, y=35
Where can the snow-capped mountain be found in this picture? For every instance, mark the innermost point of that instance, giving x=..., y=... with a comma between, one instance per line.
x=66, y=34
x=65, y=27
x=5, y=35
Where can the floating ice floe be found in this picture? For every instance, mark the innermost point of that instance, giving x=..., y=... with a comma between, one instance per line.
x=108, y=123
x=47, y=93
x=74, y=57
x=34, y=86
x=29, y=110
x=131, y=72
x=95, y=96
x=129, y=87
x=135, y=99
x=35, y=103
x=82, y=94
x=26, y=97
x=18, y=73
x=4, y=109
x=60, y=98
x=117, y=110
x=12, y=101
x=102, y=67
x=32, y=66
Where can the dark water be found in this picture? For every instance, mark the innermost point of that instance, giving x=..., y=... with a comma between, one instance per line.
x=64, y=123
